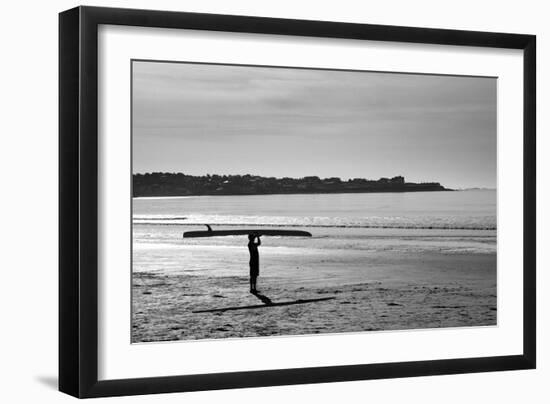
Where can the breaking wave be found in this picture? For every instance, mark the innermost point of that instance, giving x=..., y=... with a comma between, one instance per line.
x=375, y=222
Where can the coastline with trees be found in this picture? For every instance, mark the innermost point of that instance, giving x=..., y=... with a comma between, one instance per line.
x=178, y=184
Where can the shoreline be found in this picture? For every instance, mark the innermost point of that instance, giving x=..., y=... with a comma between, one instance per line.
x=340, y=192
x=316, y=193
x=413, y=291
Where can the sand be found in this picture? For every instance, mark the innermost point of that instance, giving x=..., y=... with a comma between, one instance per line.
x=388, y=291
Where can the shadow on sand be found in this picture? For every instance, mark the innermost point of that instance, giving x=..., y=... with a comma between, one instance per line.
x=267, y=302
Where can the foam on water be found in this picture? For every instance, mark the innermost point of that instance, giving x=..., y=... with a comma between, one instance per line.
x=348, y=230
x=412, y=222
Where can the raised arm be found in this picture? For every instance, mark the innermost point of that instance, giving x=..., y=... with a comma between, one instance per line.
x=259, y=243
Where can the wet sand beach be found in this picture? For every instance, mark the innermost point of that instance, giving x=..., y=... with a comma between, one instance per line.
x=380, y=261
x=425, y=291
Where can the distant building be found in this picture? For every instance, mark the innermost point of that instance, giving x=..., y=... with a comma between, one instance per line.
x=398, y=180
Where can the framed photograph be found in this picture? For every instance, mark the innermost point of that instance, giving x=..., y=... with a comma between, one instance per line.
x=250, y=201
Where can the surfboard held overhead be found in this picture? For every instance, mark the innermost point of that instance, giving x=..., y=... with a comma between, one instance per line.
x=244, y=232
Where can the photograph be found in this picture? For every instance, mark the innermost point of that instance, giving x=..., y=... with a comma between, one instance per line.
x=272, y=201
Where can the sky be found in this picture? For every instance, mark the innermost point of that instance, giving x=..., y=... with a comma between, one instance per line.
x=203, y=119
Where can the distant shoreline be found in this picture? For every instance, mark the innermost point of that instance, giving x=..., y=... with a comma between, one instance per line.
x=332, y=193
x=181, y=185
x=298, y=193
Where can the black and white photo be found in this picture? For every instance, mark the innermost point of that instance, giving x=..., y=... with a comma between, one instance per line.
x=275, y=201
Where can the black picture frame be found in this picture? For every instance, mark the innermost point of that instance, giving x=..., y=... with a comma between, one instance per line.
x=78, y=201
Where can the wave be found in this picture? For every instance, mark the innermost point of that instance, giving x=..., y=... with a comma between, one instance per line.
x=316, y=222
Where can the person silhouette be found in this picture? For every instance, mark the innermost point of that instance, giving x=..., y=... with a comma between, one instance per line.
x=254, y=260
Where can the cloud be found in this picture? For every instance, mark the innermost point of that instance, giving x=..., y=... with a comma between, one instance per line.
x=246, y=108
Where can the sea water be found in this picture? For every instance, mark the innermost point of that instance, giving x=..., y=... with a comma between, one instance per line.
x=442, y=210
x=348, y=230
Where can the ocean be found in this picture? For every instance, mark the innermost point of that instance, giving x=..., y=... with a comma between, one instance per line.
x=348, y=230
x=474, y=210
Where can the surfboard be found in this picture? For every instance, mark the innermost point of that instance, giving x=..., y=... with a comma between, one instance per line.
x=241, y=232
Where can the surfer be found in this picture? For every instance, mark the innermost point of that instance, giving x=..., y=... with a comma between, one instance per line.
x=254, y=260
